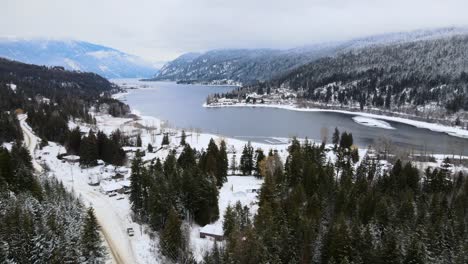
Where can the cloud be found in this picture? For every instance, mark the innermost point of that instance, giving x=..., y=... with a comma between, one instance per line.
x=163, y=29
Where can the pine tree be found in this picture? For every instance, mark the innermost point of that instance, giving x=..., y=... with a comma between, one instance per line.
x=91, y=244
x=172, y=239
x=336, y=137
x=260, y=156
x=150, y=148
x=183, y=138
x=138, y=141
x=89, y=152
x=165, y=139
x=246, y=161
x=222, y=164
x=136, y=187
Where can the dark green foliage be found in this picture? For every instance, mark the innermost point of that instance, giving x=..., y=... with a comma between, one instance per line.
x=89, y=152
x=214, y=162
x=91, y=244
x=138, y=141
x=10, y=129
x=40, y=221
x=183, y=138
x=165, y=139
x=259, y=157
x=172, y=239
x=246, y=160
x=74, y=141
x=365, y=216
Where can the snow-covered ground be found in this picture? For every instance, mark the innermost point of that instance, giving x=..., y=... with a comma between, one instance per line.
x=237, y=188
x=371, y=122
x=453, y=131
x=113, y=213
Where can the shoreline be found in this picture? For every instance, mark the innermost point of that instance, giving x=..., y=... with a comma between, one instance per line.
x=451, y=131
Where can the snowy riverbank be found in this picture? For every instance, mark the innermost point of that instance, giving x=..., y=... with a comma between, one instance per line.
x=452, y=131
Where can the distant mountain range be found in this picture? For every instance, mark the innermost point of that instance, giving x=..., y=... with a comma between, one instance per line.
x=76, y=55
x=251, y=65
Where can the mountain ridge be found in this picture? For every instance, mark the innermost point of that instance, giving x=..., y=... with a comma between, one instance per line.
x=75, y=55
x=251, y=65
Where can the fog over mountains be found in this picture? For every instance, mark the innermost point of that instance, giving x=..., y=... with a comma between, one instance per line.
x=250, y=65
x=76, y=55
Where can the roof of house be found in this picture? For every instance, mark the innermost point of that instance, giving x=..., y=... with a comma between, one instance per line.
x=216, y=230
x=110, y=186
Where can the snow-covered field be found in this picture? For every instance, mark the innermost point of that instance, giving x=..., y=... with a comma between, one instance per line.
x=453, y=131
x=371, y=122
x=114, y=213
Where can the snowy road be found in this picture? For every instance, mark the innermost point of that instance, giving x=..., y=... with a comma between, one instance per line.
x=30, y=140
x=112, y=228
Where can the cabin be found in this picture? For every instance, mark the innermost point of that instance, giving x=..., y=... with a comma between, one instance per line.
x=71, y=158
x=212, y=231
x=108, y=187
x=118, y=176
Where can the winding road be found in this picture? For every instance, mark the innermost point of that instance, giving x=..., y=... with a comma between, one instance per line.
x=108, y=228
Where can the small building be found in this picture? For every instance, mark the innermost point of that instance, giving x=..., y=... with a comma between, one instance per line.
x=122, y=170
x=213, y=231
x=125, y=186
x=108, y=187
x=109, y=168
x=71, y=158
x=118, y=176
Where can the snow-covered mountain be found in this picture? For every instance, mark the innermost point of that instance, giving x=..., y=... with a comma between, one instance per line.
x=244, y=65
x=76, y=55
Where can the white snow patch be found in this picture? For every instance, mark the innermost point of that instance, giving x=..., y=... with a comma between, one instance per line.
x=371, y=122
x=12, y=86
x=72, y=64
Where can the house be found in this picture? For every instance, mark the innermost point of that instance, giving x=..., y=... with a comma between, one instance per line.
x=122, y=170
x=213, y=231
x=71, y=158
x=118, y=176
x=109, y=168
x=108, y=187
x=125, y=186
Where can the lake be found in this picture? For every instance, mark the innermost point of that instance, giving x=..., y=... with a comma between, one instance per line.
x=181, y=106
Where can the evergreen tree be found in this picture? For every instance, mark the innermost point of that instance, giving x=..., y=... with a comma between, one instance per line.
x=165, y=139
x=336, y=137
x=246, y=160
x=136, y=187
x=150, y=148
x=91, y=244
x=222, y=164
x=138, y=141
x=172, y=238
x=89, y=152
x=260, y=156
x=183, y=138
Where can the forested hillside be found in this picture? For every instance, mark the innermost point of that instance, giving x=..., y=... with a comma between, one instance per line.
x=76, y=55
x=248, y=66
x=40, y=221
x=312, y=210
x=51, y=96
x=424, y=78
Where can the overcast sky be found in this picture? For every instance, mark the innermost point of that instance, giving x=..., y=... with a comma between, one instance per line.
x=160, y=30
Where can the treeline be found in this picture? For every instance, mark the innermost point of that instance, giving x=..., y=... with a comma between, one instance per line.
x=92, y=147
x=179, y=188
x=40, y=221
x=396, y=76
x=314, y=211
x=52, y=96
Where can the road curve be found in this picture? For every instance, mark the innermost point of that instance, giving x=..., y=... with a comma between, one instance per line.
x=30, y=142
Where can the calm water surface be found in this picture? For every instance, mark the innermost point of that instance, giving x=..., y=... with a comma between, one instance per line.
x=181, y=106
